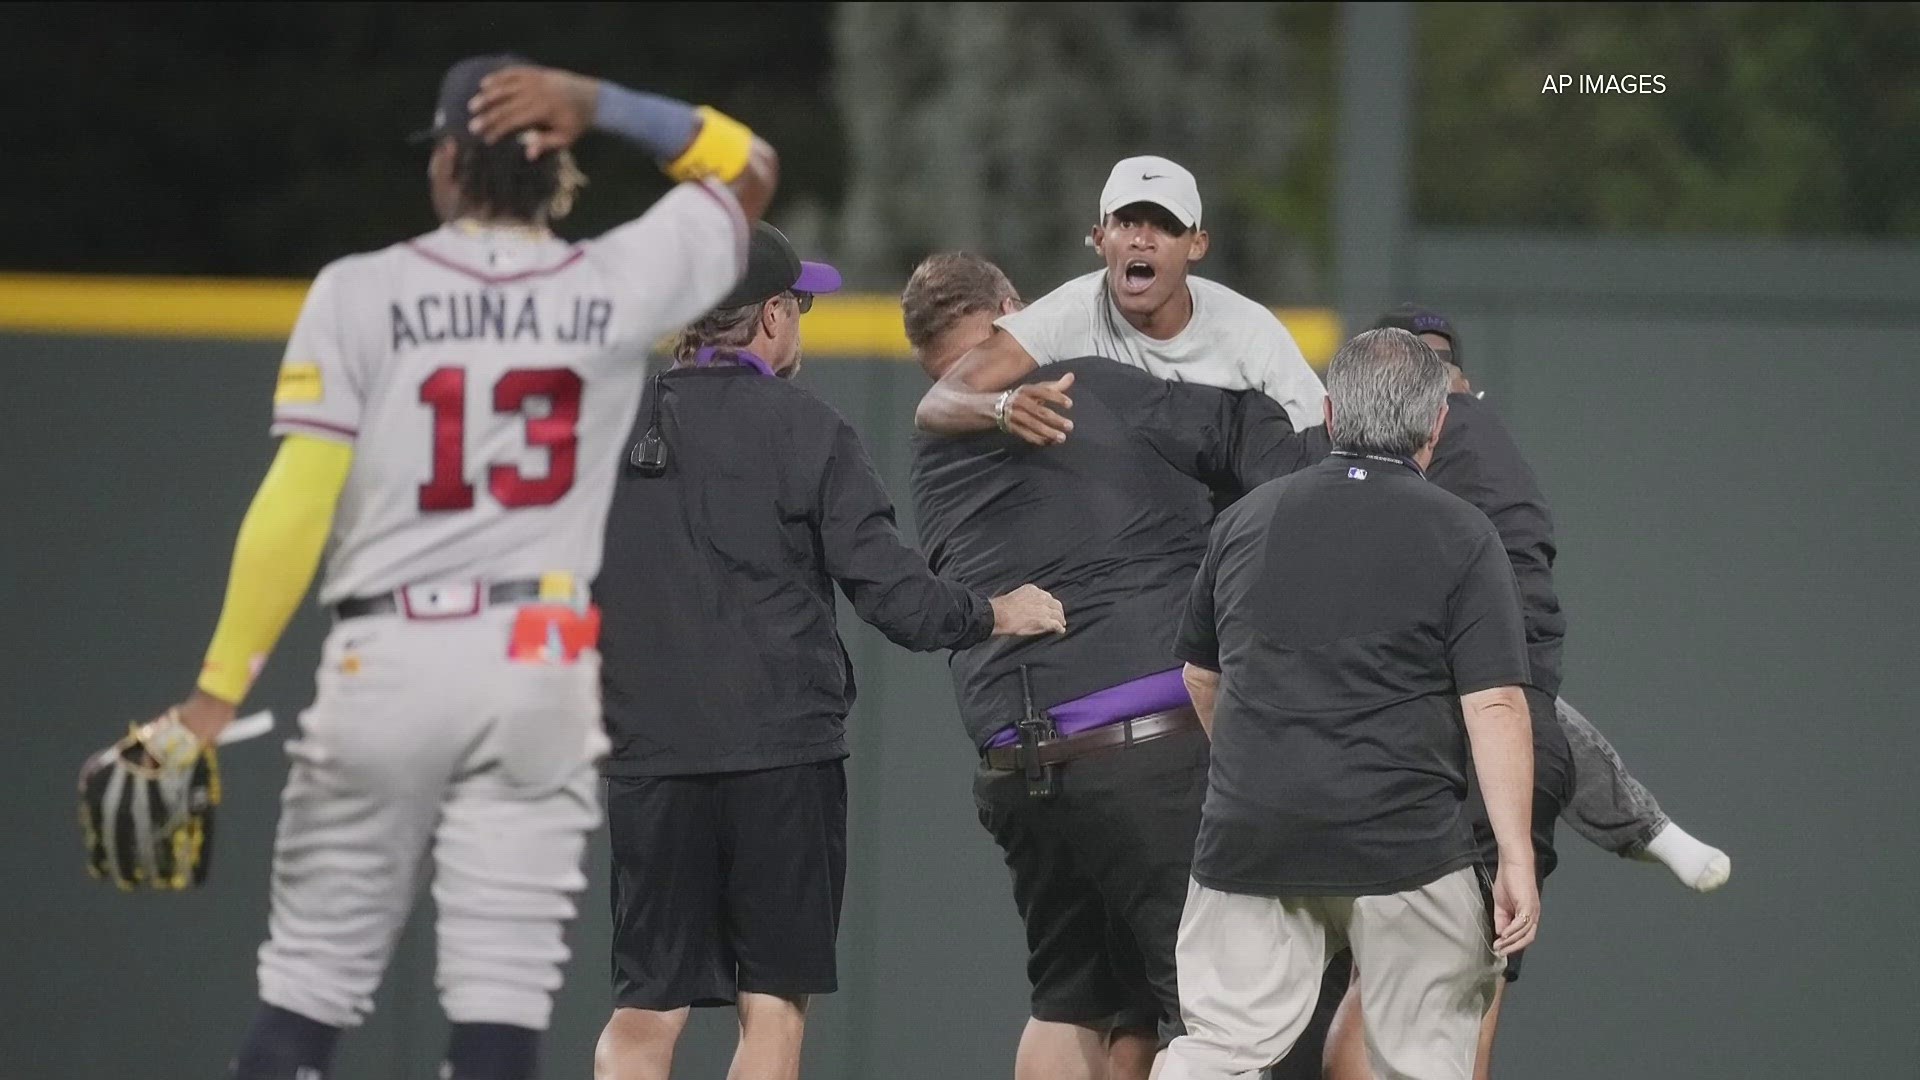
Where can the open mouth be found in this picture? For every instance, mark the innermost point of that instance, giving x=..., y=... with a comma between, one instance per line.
x=1137, y=276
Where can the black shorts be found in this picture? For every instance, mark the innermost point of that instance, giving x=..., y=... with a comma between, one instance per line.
x=1552, y=787
x=726, y=882
x=1100, y=877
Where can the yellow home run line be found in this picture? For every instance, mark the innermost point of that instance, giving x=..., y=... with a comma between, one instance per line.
x=853, y=326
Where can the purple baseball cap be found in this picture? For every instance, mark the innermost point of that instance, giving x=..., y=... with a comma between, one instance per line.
x=774, y=268
x=1417, y=320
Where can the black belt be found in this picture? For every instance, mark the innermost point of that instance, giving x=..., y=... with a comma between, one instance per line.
x=500, y=592
x=1125, y=733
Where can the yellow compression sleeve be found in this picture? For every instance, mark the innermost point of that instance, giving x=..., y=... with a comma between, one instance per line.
x=720, y=149
x=274, y=560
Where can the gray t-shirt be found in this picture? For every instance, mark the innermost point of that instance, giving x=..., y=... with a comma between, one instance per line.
x=1231, y=342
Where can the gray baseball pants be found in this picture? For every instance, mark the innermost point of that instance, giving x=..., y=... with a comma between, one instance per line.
x=425, y=744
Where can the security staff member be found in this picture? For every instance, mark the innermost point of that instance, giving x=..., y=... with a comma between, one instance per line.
x=726, y=687
x=1345, y=622
x=1092, y=759
x=1480, y=462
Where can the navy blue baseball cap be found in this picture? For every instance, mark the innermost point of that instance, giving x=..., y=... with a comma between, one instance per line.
x=1417, y=320
x=462, y=82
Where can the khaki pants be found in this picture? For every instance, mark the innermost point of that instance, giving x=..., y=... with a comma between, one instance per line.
x=1250, y=971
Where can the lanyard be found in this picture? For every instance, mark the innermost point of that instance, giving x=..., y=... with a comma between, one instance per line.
x=1391, y=460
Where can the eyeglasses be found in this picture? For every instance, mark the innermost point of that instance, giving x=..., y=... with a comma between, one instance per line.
x=804, y=300
x=1446, y=355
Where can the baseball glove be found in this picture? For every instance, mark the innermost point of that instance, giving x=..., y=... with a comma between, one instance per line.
x=146, y=807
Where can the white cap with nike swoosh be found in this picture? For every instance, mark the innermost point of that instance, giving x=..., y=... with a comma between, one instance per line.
x=1152, y=180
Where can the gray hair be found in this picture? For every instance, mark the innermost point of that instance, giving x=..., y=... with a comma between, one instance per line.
x=1387, y=388
x=730, y=328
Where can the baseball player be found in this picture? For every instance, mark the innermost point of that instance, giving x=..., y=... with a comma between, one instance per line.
x=451, y=411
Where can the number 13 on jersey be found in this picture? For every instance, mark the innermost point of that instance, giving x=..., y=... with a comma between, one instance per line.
x=556, y=432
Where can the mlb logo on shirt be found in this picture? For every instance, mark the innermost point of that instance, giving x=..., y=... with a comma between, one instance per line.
x=1356, y=473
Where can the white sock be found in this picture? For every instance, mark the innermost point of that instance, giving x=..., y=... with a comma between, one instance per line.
x=1700, y=867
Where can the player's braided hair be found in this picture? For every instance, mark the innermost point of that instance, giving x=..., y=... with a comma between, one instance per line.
x=946, y=288
x=500, y=180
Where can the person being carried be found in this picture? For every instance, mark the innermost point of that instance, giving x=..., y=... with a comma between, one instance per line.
x=1146, y=309
x=950, y=308
x=1578, y=777
x=1091, y=759
x=1478, y=460
x=1347, y=623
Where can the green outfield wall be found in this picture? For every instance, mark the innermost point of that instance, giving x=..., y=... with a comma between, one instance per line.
x=1724, y=431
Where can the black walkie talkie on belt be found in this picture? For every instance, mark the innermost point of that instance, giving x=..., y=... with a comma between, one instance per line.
x=1035, y=727
x=649, y=455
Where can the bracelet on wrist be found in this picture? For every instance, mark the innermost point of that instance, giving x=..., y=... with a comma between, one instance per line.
x=1001, y=408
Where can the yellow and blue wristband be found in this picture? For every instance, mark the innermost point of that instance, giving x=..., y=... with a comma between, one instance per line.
x=693, y=144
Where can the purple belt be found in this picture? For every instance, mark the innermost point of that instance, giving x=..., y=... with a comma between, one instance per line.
x=1136, y=697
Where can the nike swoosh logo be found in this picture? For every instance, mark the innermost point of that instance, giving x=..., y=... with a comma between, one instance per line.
x=1153, y=176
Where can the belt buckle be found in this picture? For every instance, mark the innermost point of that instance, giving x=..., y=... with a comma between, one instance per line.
x=452, y=600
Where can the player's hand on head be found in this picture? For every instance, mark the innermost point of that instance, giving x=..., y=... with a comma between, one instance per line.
x=555, y=107
x=1037, y=411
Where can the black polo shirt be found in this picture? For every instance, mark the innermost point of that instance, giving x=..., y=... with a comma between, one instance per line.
x=1113, y=522
x=719, y=646
x=1347, y=607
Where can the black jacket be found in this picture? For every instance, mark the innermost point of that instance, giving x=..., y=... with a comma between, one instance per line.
x=719, y=648
x=1478, y=460
x=1113, y=522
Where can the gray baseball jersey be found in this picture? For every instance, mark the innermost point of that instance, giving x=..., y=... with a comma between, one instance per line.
x=486, y=378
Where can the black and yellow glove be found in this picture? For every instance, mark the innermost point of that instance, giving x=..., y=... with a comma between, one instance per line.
x=146, y=807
